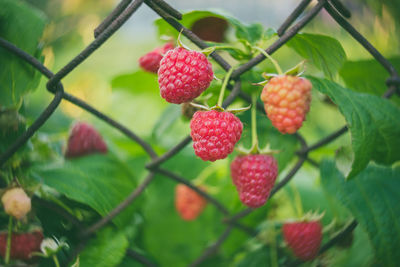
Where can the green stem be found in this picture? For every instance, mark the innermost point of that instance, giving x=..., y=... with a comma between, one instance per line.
x=207, y=51
x=274, y=252
x=8, y=248
x=180, y=43
x=224, y=84
x=274, y=62
x=56, y=260
x=254, y=137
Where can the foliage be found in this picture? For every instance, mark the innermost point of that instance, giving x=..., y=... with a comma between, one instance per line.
x=360, y=183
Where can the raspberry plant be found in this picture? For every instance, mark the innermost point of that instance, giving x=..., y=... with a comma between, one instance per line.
x=112, y=202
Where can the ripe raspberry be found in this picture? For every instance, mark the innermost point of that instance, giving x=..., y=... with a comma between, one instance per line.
x=304, y=238
x=188, y=202
x=22, y=245
x=16, y=203
x=84, y=140
x=214, y=134
x=151, y=61
x=287, y=101
x=254, y=176
x=184, y=75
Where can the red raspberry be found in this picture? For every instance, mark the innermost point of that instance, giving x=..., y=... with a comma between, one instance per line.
x=188, y=202
x=151, y=61
x=254, y=176
x=84, y=140
x=214, y=134
x=304, y=238
x=287, y=101
x=184, y=75
x=22, y=245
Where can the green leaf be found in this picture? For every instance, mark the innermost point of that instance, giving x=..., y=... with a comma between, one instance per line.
x=373, y=199
x=252, y=33
x=259, y=257
x=136, y=82
x=373, y=122
x=367, y=76
x=187, y=20
x=170, y=115
x=186, y=240
x=12, y=125
x=107, y=249
x=100, y=181
x=22, y=25
x=324, y=52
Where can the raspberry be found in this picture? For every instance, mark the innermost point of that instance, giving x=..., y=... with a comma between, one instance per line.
x=84, y=140
x=22, y=245
x=287, y=101
x=214, y=134
x=304, y=238
x=151, y=61
x=184, y=75
x=254, y=176
x=16, y=203
x=188, y=202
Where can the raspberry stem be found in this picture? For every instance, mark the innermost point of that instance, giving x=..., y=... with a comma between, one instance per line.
x=180, y=43
x=207, y=51
x=8, y=248
x=205, y=173
x=224, y=84
x=56, y=262
x=274, y=62
x=254, y=137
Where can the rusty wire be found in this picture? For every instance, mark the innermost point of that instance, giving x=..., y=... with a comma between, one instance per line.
x=105, y=30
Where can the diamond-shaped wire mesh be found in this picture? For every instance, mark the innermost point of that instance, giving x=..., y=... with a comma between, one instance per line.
x=108, y=27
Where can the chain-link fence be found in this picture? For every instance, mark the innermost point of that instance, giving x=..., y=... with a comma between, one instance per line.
x=107, y=28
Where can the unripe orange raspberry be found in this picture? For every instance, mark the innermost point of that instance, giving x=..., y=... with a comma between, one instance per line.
x=188, y=202
x=16, y=202
x=287, y=101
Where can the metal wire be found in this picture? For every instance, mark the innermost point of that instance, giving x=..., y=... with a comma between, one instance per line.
x=108, y=27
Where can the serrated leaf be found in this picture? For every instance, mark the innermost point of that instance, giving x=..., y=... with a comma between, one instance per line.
x=372, y=198
x=17, y=76
x=373, y=122
x=324, y=52
x=106, y=249
x=252, y=32
x=367, y=76
x=100, y=181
